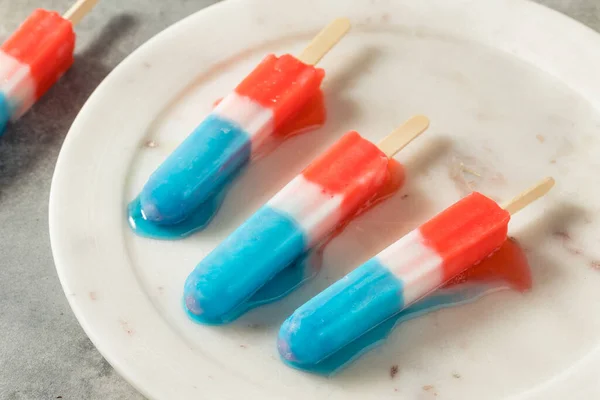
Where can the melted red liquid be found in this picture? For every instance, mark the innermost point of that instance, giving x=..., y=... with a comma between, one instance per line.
x=508, y=265
x=311, y=116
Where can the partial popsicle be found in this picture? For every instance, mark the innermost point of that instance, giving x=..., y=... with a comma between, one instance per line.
x=35, y=57
x=328, y=192
x=403, y=273
x=236, y=129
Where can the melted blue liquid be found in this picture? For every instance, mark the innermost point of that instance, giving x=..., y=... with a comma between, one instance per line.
x=196, y=221
x=442, y=298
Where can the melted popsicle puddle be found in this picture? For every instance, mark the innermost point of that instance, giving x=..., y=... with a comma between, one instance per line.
x=312, y=116
x=506, y=269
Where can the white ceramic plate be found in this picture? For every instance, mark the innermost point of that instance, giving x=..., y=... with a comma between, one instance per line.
x=512, y=90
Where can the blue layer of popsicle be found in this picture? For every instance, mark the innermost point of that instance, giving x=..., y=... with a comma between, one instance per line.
x=206, y=161
x=371, y=292
x=196, y=221
x=442, y=298
x=4, y=112
x=265, y=245
x=506, y=269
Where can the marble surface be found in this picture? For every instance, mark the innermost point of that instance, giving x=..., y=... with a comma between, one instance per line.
x=44, y=354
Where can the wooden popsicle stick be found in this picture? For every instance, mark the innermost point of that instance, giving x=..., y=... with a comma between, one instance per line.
x=324, y=41
x=79, y=10
x=529, y=196
x=403, y=135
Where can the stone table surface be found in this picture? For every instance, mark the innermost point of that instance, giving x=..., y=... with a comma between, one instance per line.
x=44, y=353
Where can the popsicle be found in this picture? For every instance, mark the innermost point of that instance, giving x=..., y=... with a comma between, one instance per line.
x=328, y=192
x=35, y=57
x=235, y=130
x=403, y=273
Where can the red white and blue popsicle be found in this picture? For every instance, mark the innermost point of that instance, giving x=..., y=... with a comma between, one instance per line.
x=327, y=193
x=35, y=57
x=236, y=129
x=405, y=272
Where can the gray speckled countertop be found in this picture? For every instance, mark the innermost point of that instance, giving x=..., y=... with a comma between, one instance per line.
x=44, y=353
